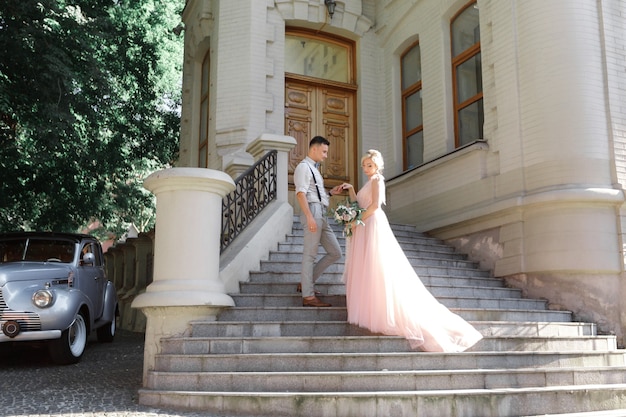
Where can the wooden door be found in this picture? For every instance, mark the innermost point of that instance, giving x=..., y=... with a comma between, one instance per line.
x=314, y=109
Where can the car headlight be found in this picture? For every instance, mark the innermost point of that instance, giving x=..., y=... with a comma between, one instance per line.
x=43, y=298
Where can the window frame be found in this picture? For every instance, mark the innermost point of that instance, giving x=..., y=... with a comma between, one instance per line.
x=203, y=142
x=335, y=40
x=415, y=88
x=456, y=62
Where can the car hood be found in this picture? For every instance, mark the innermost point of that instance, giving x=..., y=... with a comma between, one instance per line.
x=32, y=271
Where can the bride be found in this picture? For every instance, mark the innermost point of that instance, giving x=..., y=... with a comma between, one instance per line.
x=383, y=292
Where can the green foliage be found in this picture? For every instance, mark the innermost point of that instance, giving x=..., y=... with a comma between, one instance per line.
x=89, y=106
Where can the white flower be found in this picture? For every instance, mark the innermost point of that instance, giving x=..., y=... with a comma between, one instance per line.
x=347, y=214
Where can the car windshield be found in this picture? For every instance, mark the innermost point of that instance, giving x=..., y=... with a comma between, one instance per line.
x=36, y=250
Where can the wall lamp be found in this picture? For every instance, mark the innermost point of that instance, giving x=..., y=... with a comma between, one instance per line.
x=178, y=29
x=330, y=5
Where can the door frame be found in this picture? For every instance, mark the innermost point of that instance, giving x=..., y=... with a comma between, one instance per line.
x=351, y=87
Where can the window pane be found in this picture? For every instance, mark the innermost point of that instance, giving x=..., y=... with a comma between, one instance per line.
x=205, y=75
x=316, y=58
x=411, y=67
x=413, y=110
x=204, y=121
x=415, y=150
x=471, y=119
x=202, y=157
x=465, y=30
x=469, y=81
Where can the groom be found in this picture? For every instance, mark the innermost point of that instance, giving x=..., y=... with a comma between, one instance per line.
x=313, y=201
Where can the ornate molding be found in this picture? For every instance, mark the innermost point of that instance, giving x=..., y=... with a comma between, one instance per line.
x=348, y=14
x=199, y=24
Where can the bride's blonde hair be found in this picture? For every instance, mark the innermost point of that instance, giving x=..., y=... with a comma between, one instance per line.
x=376, y=158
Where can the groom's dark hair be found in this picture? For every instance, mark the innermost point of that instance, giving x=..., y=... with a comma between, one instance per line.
x=319, y=140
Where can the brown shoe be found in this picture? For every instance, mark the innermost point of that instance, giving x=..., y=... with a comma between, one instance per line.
x=299, y=289
x=314, y=302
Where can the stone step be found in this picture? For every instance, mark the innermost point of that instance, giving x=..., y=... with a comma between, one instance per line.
x=405, y=242
x=479, y=279
x=457, y=268
x=399, y=229
x=534, y=329
x=421, y=261
x=295, y=300
x=296, y=249
x=384, y=380
x=605, y=413
x=340, y=313
x=341, y=328
x=272, y=355
x=401, y=235
x=392, y=361
x=325, y=344
x=501, y=402
x=340, y=289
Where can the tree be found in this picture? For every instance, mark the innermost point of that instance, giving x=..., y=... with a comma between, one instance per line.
x=89, y=106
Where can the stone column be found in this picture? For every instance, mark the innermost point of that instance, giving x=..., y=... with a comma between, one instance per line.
x=186, y=284
x=116, y=269
x=128, y=266
x=135, y=271
x=283, y=144
x=109, y=263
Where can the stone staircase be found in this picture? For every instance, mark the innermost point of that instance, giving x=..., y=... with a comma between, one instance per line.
x=269, y=356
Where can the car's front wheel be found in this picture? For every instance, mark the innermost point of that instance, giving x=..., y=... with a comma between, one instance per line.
x=71, y=346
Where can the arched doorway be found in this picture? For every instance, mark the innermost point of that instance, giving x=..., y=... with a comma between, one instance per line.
x=320, y=99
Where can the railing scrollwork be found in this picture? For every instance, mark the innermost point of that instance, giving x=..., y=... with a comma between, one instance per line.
x=254, y=190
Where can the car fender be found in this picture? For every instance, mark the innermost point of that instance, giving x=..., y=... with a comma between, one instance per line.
x=18, y=296
x=61, y=314
x=110, y=304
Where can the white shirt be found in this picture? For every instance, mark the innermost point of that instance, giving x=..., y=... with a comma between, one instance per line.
x=303, y=181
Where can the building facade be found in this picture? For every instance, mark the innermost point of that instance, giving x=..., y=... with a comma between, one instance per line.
x=502, y=123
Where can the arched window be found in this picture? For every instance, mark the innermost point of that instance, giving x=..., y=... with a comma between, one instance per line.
x=467, y=76
x=203, y=140
x=412, y=122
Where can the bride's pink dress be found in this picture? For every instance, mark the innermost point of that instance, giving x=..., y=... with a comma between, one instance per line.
x=385, y=295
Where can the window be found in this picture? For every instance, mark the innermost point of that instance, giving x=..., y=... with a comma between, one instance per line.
x=318, y=58
x=467, y=76
x=412, y=122
x=203, y=140
x=91, y=248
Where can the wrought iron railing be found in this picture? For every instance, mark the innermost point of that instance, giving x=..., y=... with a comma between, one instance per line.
x=254, y=189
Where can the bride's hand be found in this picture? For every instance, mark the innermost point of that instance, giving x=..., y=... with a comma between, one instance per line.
x=337, y=189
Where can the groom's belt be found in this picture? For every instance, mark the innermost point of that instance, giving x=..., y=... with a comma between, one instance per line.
x=317, y=202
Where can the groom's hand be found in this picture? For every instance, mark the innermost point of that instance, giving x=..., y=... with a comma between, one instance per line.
x=338, y=189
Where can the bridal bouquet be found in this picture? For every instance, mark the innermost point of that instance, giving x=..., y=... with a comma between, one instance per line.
x=347, y=213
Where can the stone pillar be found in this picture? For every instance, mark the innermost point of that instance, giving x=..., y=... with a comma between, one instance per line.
x=128, y=268
x=283, y=144
x=134, y=277
x=128, y=273
x=109, y=263
x=117, y=269
x=186, y=284
x=143, y=250
x=237, y=164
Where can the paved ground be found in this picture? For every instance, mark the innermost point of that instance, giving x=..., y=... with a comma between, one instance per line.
x=103, y=384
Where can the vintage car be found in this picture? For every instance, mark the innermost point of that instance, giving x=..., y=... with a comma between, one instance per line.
x=54, y=289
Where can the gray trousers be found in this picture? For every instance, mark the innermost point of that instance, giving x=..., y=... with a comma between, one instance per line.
x=324, y=235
